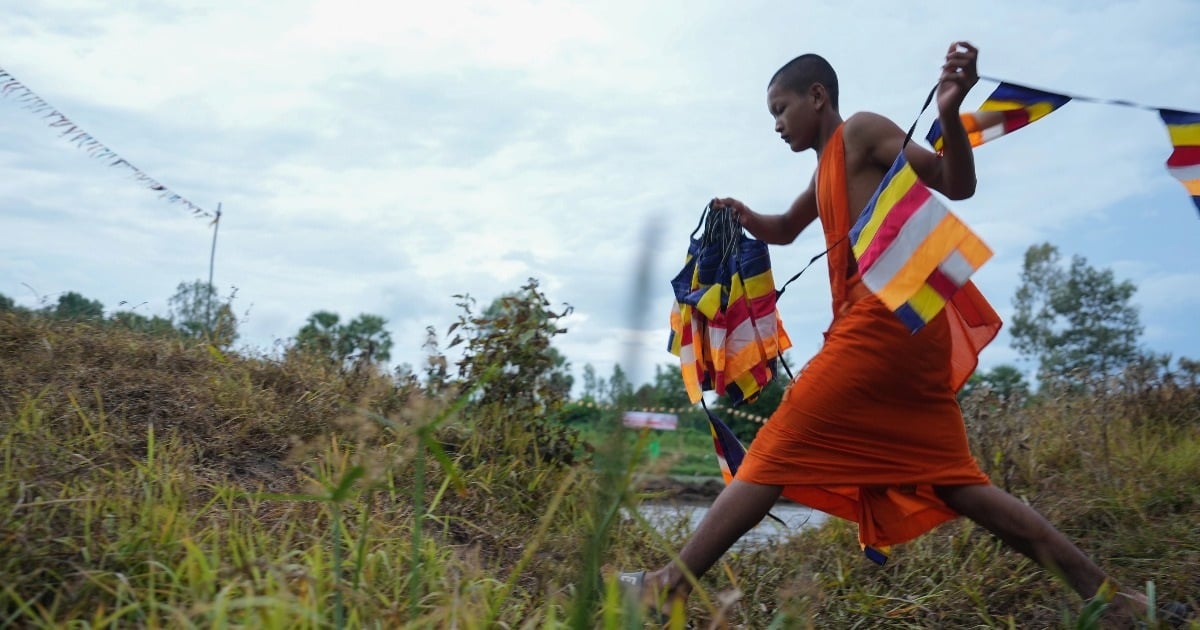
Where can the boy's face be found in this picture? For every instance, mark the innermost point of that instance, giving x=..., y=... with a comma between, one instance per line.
x=795, y=116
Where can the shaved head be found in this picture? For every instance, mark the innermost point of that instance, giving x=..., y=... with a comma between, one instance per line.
x=802, y=72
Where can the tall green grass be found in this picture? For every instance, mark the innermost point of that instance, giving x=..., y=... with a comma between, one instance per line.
x=148, y=483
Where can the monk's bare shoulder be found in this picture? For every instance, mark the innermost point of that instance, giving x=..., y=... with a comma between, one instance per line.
x=868, y=136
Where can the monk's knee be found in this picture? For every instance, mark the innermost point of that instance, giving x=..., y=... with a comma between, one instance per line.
x=961, y=499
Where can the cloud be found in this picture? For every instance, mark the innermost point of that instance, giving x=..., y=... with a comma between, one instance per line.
x=381, y=157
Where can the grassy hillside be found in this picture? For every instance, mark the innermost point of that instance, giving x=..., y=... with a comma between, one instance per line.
x=148, y=482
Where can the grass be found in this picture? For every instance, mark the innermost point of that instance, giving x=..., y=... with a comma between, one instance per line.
x=151, y=483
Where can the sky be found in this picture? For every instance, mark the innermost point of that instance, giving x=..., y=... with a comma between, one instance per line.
x=382, y=157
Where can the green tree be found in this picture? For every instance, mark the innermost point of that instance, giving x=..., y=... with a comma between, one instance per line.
x=154, y=325
x=7, y=303
x=361, y=339
x=1190, y=369
x=75, y=307
x=437, y=368
x=559, y=379
x=581, y=413
x=620, y=390
x=199, y=313
x=525, y=314
x=365, y=339
x=526, y=381
x=1003, y=381
x=588, y=410
x=1078, y=322
x=669, y=391
x=593, y=387
x=319, y=335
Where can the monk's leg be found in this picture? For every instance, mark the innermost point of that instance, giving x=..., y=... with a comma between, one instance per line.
x=739, y=507
x=1027, y=531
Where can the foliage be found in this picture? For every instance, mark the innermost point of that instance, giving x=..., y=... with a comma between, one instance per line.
x=199, y=313
x=148, y=483
x=620, y=389
x=190, y=314
x=1078, y=322
x=514, y=335
x=594, y=388
x=153, y=325
x=584, y=412
x=362, y=339
x=1005, y=382
x=74, y=306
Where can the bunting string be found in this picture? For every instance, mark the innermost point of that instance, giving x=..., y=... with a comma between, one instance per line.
x=1012, y=106
x=914, y=254
x=1077, y=97
x=728, y=409
x=11, y=88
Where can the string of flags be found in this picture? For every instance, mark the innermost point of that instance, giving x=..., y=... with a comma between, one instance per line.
x=10, y=87
x=727, y=408
x=1184, y=163
x=914, y=254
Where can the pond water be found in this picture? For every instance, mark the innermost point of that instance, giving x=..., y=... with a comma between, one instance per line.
x=796, y=517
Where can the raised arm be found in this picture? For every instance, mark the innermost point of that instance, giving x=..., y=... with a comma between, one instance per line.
x=952, y=173
x=777, y=229
x=956, y=177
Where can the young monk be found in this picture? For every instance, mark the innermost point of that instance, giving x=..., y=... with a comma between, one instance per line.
x=871, y=430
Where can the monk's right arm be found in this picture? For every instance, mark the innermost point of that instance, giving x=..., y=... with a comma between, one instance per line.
x=777, y=229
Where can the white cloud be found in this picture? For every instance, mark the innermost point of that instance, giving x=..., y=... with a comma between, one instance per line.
x=382, y=156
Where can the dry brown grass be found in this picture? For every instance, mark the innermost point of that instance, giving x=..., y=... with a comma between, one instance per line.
x=146, y=482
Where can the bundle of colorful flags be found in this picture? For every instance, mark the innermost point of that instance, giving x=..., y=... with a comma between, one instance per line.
x=725, y=327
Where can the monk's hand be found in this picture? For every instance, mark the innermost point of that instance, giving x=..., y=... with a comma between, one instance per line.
x=959, y=75
x=745, y=216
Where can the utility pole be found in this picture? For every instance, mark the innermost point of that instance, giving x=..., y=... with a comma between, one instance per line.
x=212, y=257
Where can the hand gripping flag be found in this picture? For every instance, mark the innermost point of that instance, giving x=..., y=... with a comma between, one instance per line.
x=725, y=327
x=1009, y=108
x=912, y=252
x=1184, y=163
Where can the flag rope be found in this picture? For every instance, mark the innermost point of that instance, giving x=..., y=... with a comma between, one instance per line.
x=1079, y=97
x=10, y=87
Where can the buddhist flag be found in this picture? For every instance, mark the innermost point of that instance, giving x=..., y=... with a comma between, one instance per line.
x=912, y=252
x=725, y=327
x=729, y=449
x=1184, y=163
x=1008, y=109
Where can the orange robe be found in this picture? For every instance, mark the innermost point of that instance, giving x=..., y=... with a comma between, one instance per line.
x=872, y=423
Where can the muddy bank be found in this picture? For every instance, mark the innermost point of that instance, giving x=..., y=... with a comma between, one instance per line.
x=682, y=489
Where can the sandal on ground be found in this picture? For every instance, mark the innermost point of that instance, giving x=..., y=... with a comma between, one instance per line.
x=1171, y=615
x=1176, y=614
x=633, y=587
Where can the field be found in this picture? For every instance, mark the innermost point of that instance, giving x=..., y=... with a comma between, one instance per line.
x=152, y=482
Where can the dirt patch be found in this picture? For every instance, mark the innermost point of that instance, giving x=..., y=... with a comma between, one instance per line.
x=702, y=489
